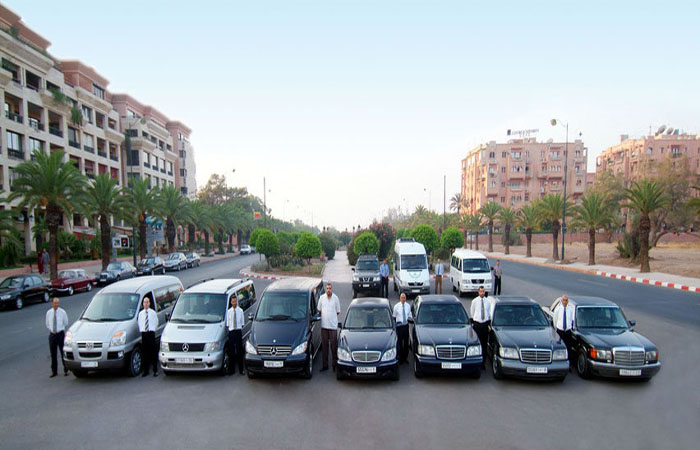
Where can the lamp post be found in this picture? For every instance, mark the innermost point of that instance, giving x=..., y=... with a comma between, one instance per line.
x=554, y=123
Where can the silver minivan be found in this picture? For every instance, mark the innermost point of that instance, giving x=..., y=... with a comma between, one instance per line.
x=196, y=338
x=106, y=336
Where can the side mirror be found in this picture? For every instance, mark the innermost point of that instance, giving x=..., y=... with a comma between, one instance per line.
x=316, y=318
x=353, y=269
x=167, y=317
x=250, y=316
x=632, y=323
x=470, y=321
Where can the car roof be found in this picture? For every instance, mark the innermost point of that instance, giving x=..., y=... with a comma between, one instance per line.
x=466, y=253
x=513, y=300
x=591, y=301
x=370, y=301
x=294, y=284
x=218, y=286
x=367, y=256
x=435, y=299
x=142, y=284
x=410, y=247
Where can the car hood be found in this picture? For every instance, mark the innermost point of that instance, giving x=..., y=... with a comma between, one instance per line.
x=368, y=339
x=277, y=332
x=608, y=338
x=446, y=334
x=84, y=330
x=171, y=262
x=192, y=332
x=367, y=273
x=528, y=337
x=5, y=291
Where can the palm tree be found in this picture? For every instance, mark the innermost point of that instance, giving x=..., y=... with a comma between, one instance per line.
x=171, y=206
x=529, y=219
x=474, y=224
x=490, y=210
x=7, y=221
x=456, y=202
x=551, y=209
x=200, y=219
x=507, y=217
x=594, y=212
x=104, y=199
x=143, y=202
x=645, y=197
x=49, y=182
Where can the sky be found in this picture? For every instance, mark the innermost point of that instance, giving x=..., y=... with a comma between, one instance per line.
x=348, y=108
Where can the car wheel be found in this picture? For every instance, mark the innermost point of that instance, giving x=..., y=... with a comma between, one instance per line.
x=496, y=368
x=454, y=289
x=119, y=277
x=396, y=289
x=89, y=286
x=70, y=290
x=133, y=363
x=309, y=369
x=46, y=297
x=354, y=293
x=416, y=368
x=582, y=366
x=19, y=303
x=198, y=263
x=79, y=373
x=225, y=363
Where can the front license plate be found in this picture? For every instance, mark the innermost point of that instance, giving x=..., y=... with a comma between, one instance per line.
x=88, y=364
x=184, y=360
x=366, y=370
x=536, y=370
x=365, y=285
x=273, y=364
x=416, y=290
x=630, y=373
x=451, y=365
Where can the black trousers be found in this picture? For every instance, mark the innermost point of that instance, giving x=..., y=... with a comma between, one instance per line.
x=570, y=343
x=496, y=285
x=329, y=342
x=402, y=335
x=149, y=352
x=235, y=351
x=482, y=331
x=385, y=287
x=56, y=345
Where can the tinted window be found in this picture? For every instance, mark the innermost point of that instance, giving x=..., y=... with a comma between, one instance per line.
x=200, y=308
x=166, y=296
x=11, y=282
x=368, y=265
x=38, y=281
x=148, y=261
x=600, y=317
x=430, y=314
x=114, y=266
x=112, y=307
x=413, y=262
x=518, y=316
x=368, y=317
x=283, y=306
x=476, y=265
x=245, y=296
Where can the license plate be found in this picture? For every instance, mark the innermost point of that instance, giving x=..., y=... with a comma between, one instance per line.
x=88, y=364
x=630, y=373
x=365, y=285
x=366, y=370
x=273, y=364
x=536, y=370
x=416, y=291
x=451, y=365
x=184, y=360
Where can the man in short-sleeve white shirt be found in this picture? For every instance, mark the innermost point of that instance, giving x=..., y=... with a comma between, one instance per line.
x=329, y=308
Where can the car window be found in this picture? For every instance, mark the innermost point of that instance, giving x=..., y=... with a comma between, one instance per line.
x=38, y=281
x=28, y=282
x=166, y=296
x=518, y=316
x=476, y=265
x=435, y=314
x=600, y=317
x=106, y=307
x=200, y=308
x=283, y=306
x=243, y=297
x=414, y=262
x=368, y=318
x=11, y=282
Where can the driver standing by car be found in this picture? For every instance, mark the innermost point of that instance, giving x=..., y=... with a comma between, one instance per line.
x=234, y=322
x=148, y=324
x=384, y=272
x=402, y=312
x=564, y=322
x=56, y=322
x=329, y=308
x=481, y=319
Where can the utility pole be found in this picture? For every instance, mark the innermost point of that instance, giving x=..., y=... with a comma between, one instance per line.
x=264, y=203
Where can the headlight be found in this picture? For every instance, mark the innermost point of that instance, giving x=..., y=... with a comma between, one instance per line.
x=343, y=354
x=474, y=350
x=508, y=353
x=68, y=339
x=601, y=355
x=355, y=278
x=164, y=346
x=426, y=350
x=389, y=354
x=560, y=354
x=376, y=278
x=118, y=339
x=6, y=297
x=249, y=348
x=212, y=346
x=652, y=355
x=299, y=349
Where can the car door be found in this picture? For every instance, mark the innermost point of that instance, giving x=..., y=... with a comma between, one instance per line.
x=165, y=298
x=315, y=327
x=245, y=296
x=40, y=286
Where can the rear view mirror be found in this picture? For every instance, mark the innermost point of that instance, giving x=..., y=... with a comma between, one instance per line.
x=250, y=316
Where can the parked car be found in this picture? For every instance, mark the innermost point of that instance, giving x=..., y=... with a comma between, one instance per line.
x=523, y=343
x=367, y=345
x=443, y=339
x=411, y=274
x=606, y=344
x=196, y=337
x=175, y=261
x=469, y=270
x=72, y=280
x=246, y=249
x=193, y=259
x=117, y=271
x=18, y=290
x=106, y=336
x=366, y=276
x=150, y=266
x=285, y=334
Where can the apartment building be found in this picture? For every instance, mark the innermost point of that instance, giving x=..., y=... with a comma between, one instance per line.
x=185, y=168
x=521, y=170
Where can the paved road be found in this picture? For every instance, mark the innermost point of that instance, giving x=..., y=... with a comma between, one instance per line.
x=196, y=411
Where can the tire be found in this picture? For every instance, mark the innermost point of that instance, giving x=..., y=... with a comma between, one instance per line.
x=89, y=286
x=496, y=368
x=133, y=363
x=77, y=373
x=45, y=298
x=70, y=290
x=582, y=366
x=416, y=368
x=396, y=289
x=225, y=363
x=251, y=375
x=179, y=267
x=19, y=303
x=454, y=289
x=119, y=277
x=309, y=369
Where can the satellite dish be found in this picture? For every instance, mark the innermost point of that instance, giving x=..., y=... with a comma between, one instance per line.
x=669, y=131
x=661, y=129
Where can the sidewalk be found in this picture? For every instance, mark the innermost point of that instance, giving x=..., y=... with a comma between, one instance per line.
x=621, y=273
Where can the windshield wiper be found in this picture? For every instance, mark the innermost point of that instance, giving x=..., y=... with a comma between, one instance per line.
x=279, y=317
x=110, y=319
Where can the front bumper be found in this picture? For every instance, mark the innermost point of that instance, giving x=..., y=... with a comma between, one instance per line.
x=9, y=301
x=145, y=270
x=468, y=286
x=174, y=267
x=106, y=358
x=383, y=369
x=518, y=369
x=415, y=290
x=290, y=364
x=612, y=370
x=106, y=280
x=430, y=364
x=360, y=286
x=191, y=361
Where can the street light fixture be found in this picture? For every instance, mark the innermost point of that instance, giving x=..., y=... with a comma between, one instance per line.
x=554, y=123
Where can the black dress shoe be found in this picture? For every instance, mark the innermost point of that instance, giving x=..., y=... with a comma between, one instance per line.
x=323, y=369
x=242, y=372
x=145, y=374
x=155, y=374
x=52, y=375
x=65, y=374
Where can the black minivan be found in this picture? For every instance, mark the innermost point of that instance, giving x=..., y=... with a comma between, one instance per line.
x=285, y=334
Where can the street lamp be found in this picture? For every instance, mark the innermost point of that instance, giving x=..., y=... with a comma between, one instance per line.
x=554, y=123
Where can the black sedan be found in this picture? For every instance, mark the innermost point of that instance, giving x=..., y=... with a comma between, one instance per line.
x=443, y=341
x=150, y=266
x=175, y=261
x=367, y=341
x=193, y=259
x=605, y=343
x=116, y=271
x=20, y=289
x=523, y=343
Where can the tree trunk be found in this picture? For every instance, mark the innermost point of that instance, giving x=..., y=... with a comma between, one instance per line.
x=230, y=242
x=507, y=238
x=239, y=239
x=555, y=239
x=644, y=225
x=142, y=238
x=170, y=233
x=190, y=236
x=490, y=236
x=476, y=240
x=528, y=242
x=206, y=242
x=591, y=247
x=106, y=238
x=53, y=217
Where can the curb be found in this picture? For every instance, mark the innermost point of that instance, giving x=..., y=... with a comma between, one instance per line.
x=261, y=276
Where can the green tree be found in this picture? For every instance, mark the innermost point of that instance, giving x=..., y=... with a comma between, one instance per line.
x=254, y=237
x=143, y=203
x=426, y=235
x=104, y=199
x=287, y=242
x=345, y=238
x=451, y=239
x=328, y=244
x=694, y=203
x=456, y=203
x=490, y=211
x=308, y=246
x=53, y=184
x=645, y=197
x=385, y=233
x=529, y=219
x=266, y=243
x=366, y=242
x=171, y=205
x=551, y=209
x=11, y=250
x=594, y=213
x=507, y=217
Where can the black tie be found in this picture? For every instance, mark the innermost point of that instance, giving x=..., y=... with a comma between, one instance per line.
x=565, y=319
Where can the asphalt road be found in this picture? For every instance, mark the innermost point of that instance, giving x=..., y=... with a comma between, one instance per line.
x=203, y=411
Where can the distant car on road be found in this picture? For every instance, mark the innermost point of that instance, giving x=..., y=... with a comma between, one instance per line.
x=193, y=259
x=366, y=276
x=116, y=271
x=246, y=249
x=150, y=266
x=72, y=280
x=18, y=290
x=175, y=261
x=605, y=343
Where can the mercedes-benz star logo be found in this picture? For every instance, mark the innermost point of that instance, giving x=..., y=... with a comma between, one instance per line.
x=185, y=347
x=273, y=351
x=89, y=345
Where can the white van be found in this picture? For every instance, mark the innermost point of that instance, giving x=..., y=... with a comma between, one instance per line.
x=469, y=270
x=411, y=274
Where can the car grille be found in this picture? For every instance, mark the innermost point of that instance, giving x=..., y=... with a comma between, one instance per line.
x=535, y=356
x=89, y=345
x=365, y=279
x=90, y=354
x=177, y=347
x=451, y=351
x=366, y=356
x=172, y=365
x=478, y=281
x=274, y=350
x=628, y=356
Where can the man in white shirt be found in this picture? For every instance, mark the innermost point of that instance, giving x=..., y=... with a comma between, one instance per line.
x=148, y=324
x=56, y=322
x=564, y=323
x=481, y=319
x=234, y=323
x=329, y=308
x=439, y=272
x=402, y=312
x=497, y=274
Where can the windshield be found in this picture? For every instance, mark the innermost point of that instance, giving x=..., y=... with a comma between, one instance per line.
x=148, y=261
x=413, y=262
x=519, y=316
x=368, y=265
x=11, y=282
x=200, y=308
x=441, y=314
x=67, y=274
x=283, y=306
x=368, y=317
x=600, y=317
x=112, y=307
x=114, y=266
x=174, y=256
x=475, y=265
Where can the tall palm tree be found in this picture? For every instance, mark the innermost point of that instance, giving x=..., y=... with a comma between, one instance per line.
x=171, y=207
x=594, y=212
x=456, y=203
x=7, y=221
x=507, y=217
x=49, y=182
x=474, y=224
x=551, y=209
x=490, y=211
x=529, y=219
x=199, y=220
x=143, y=203
x=105, y=199
x=645, y=197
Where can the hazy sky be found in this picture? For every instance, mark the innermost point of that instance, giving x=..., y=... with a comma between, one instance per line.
x=351, y=107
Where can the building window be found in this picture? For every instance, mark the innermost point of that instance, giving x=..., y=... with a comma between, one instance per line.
x=182, y=172
x=73, y=139
x=87, y=113
x=503, y=199
x=12, y=68
x=35, y=145
x=504, y=154
x=515, y=155
x=503, y=184
x=493, y=154
x=514, y=184
x=98, y=91
x=14, y=145
x=503, y=170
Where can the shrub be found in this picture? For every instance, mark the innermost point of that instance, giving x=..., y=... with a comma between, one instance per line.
x=308, y=246
x=426, y=235
x=285, y=260
x=345, y=238
x=629, y=245
x=385, y=233
x=443, y=254
x=367, y=242
x=287, y=241
x=267, y=243
x=11, y=251
x=352, y=256
x=451, y=239
x=254, y=236
x=328, y=244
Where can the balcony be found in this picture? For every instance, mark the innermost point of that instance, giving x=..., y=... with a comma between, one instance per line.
x=170, y=173
x=102, y=153
x=74, y=144
x=162, y=170
x=56, y=131
x=16, y=154
x=114, y=157
x=145, y=164
x=89, y=149
x=15, y=117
